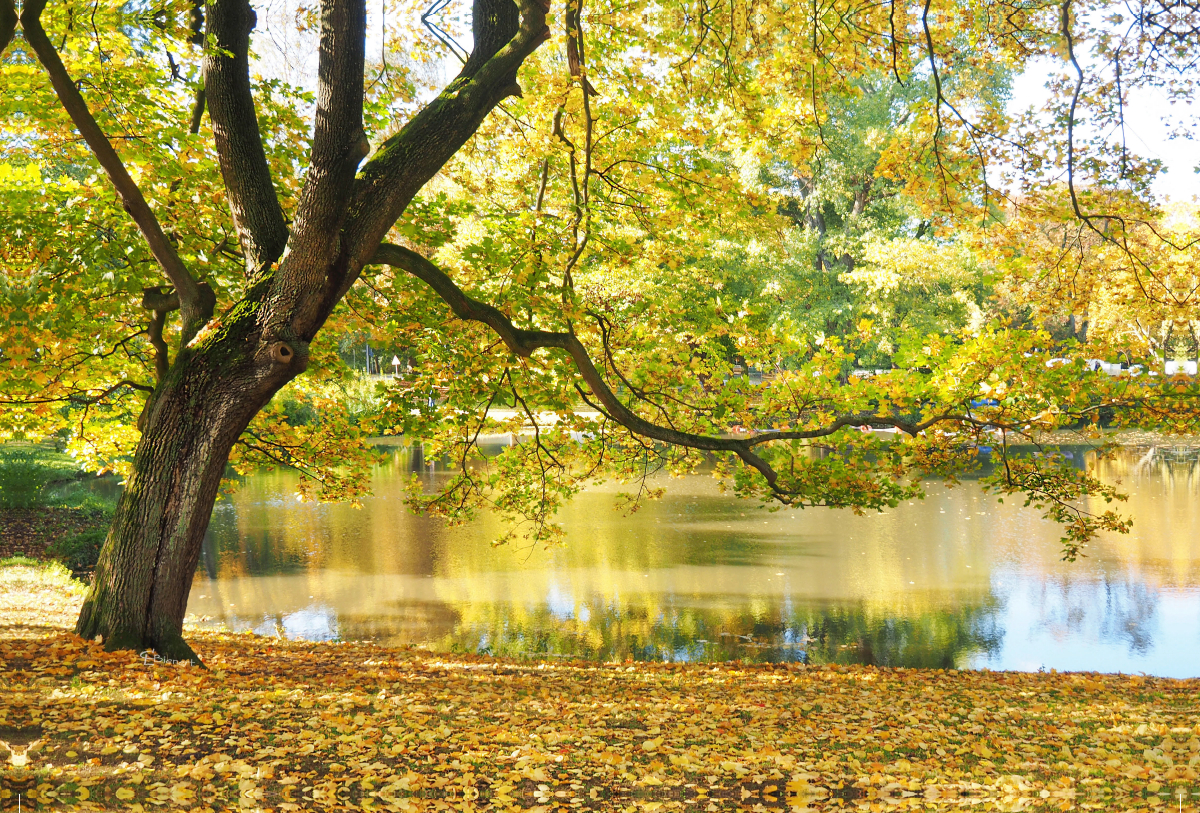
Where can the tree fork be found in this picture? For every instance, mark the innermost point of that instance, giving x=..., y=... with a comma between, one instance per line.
x=226, y=369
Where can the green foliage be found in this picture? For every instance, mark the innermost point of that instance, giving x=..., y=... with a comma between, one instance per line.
x=23, y=572
x=79, y=496
x=80, y=551
x=37, y=477
x=20, y=561
x=23, y=479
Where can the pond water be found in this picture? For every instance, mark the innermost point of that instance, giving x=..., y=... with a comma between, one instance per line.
x=956, y=580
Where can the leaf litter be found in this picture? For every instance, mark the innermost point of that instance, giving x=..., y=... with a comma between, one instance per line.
x=283, y=725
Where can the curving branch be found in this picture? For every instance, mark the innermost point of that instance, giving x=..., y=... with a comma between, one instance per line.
x=244, y=169
x=938, y=97
x=196, y=302
x=1119, y=238
x=160, y=302
x=524, y=342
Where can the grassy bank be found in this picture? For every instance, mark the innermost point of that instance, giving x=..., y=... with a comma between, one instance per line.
x=48, y=509
x=277, y=725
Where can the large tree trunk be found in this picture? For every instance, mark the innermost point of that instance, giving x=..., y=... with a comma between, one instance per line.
x=227, y=368
x=139, y=594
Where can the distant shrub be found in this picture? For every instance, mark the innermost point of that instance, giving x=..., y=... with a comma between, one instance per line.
x=297, y=412
x=79, y=551
x=23, y=479
x=77, y=495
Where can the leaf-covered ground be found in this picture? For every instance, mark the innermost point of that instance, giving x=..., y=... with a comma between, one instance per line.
x=276, y=725
x=27, y=531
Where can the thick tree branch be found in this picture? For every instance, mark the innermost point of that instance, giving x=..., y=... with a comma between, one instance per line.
x=160, y=299
x=196, y=301
x=160, y=302
x=197, y=112
x=493, y=24
x=301, y=290
x=252, y=199
x=339, y=143
x=94, y=399
x=524, y=342
x=505, y=34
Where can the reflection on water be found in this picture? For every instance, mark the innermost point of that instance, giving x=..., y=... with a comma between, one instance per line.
x=954, y=580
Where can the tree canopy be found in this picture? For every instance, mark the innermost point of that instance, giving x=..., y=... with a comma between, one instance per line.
x=638, y=237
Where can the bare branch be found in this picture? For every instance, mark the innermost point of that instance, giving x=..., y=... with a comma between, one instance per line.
x=576, y=61
x=196, y=301
x=938, y=98
x=248, y=186
x=197, y=112
x=1115, y=237
x=95, y=399
x=894, y=41
x=440, y=33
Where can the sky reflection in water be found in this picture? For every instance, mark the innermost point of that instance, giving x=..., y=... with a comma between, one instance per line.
x=955, y=580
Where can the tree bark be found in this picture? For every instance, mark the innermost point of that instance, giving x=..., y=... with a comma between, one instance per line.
x=139, y=593
x=252, y=201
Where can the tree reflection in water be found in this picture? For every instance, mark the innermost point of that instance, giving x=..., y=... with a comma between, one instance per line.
x=830, y=634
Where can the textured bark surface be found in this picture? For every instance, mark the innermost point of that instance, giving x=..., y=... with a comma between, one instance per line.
x=248, y=186
x=8, y=22
x=139, y=594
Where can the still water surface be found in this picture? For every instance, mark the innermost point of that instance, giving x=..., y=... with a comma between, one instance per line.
x=955, y=580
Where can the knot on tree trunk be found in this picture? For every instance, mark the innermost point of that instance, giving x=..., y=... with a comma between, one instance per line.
x=282, y=353
x=286, y=353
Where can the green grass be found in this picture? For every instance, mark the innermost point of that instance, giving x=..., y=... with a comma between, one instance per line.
x=23, y=478
x=38, y=476
x=20, y=561
x=25, y=571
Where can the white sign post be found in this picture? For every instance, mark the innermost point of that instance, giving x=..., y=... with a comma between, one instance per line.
x=396, y=365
